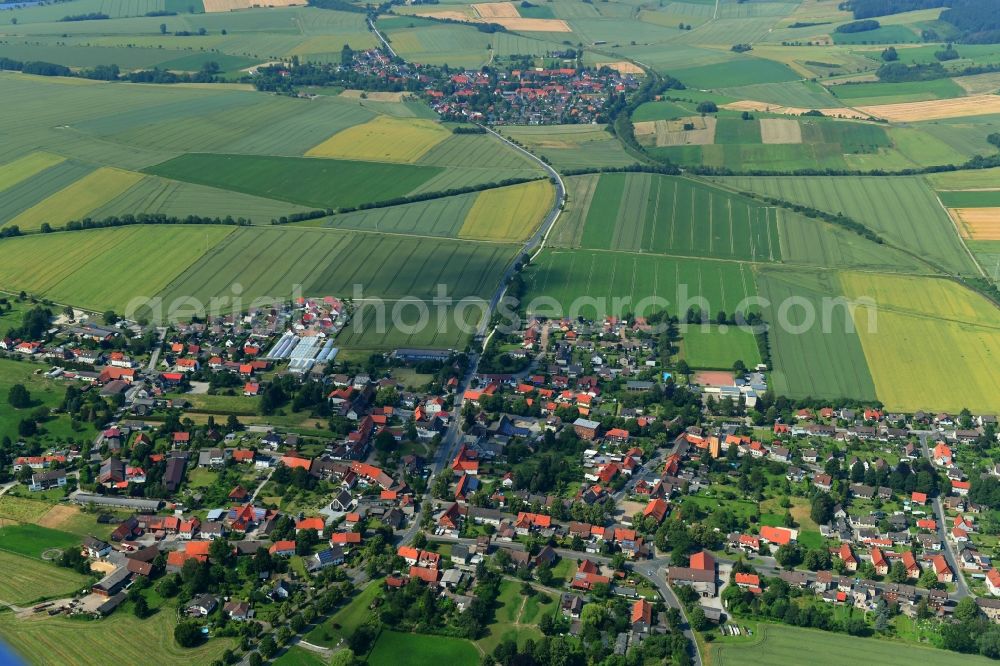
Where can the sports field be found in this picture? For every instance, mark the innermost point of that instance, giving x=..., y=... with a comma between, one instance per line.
x=383, y=139
x=590, y=281
x=322, y=183
x=935, y=344
x=77, y=200
x=60, y=640
x=26, y=580
x=88, y=269
x=779, y=644
x=668, y=215
x=718, y=347
x=508, y=213
x=815, y=350
x=902, y=209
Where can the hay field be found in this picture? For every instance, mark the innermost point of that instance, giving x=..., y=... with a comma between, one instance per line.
x=935, y=344
x=977, y=223
x=98, y=269
x=496, y=10
x=508, y=213
x=977, y=84
x=79, y=199
x=26, y=580
x=937, y=109
x=780, y=130
x=215, y=6
x=25, y=167
x=383, y=139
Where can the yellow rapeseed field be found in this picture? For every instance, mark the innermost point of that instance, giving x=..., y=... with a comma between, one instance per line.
x=383, y=139
x=508, y=213
x=934, y=343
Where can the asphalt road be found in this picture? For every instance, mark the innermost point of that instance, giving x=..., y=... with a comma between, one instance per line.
x=949, y=552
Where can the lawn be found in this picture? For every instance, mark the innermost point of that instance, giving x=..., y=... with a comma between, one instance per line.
x=60, y=640
x=719, y=347
x=778, y=644
x=393, y=647
x=26, y=580
x=346, y=621
x=321, y=183
x=509, y=213
x=299, y=656
x=77, y=200
x=934, y=343
x=383, y=139
x=679, y=216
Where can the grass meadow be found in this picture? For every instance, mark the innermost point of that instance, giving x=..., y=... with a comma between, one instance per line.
x=781, y=644
x=718, y=348
x=27, y=580
x=422, y=650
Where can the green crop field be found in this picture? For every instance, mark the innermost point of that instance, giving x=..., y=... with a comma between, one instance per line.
x=588, y=282
x=76, y=201
x=935, y=342
x=813, y=355
x=572, y=146
x=322, y=183
x=778, y=644
x=668, y=215
x=888, y=34
x=904, y=210
x=862, y=94
x=26, y=580
x=422, y=650
x=437, y=217
x=717, y=347
x=970, y=198
x=25, y=167
x=61, y=640
x=736, y=72
x=323, y=262
x=84, y=268
x=960, y=180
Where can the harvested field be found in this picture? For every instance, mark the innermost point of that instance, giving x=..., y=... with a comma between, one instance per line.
x=937, y=109
x=216, y=6
x=977, y=223
x=58, y=516
x=383, y=139
x=780, y=130
x=836, y=112
x=978, y=84
x=79, y=199
x=492, y=10
x=374, y=96
x=622, y=67
x=25, y=167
